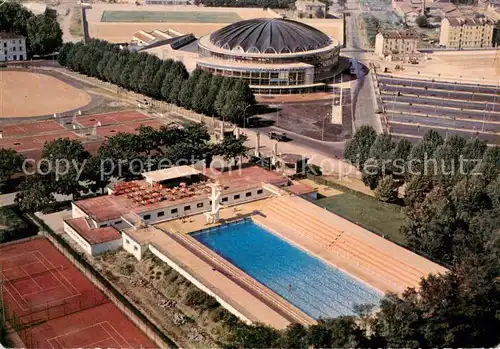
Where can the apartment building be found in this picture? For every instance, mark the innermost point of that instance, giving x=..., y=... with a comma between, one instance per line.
x=396, y=43
x=12, y=47
x=310, y=9
x=466, y=32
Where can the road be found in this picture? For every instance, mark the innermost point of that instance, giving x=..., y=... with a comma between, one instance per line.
x=363, y=93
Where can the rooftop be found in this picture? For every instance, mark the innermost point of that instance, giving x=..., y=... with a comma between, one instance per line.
x=170, y=173
x=140, y=196
x=10, y=35
x=400, y=34
x=269, y=35
x=93, y=235
x=468, y=21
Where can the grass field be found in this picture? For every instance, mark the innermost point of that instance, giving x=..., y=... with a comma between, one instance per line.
x=169, y=17
x=381, y=218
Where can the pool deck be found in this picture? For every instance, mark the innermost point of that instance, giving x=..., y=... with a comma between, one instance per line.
x=351, y=248
x=229, y=284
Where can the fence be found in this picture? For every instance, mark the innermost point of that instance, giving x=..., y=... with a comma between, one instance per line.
x=116, y=296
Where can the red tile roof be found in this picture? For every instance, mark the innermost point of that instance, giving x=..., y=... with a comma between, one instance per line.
x=92, y=235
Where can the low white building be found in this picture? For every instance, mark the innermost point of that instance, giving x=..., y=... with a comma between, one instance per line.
x=12, y=47
x=91, y=239
x=163, y=195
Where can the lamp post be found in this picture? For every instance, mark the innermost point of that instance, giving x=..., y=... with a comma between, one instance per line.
x=245, y=115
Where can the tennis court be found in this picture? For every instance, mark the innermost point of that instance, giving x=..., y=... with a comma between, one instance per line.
x=169, y=17
x=51, y=304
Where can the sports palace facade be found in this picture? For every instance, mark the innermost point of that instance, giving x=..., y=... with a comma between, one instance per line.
x=276, y=56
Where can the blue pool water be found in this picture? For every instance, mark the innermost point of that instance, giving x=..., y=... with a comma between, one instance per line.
x=318, y=289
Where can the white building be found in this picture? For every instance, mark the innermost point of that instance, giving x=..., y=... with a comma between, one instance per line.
x=12, y=47
x=162, y=195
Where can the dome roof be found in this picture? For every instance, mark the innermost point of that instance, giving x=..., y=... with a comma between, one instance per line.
x=270, y=36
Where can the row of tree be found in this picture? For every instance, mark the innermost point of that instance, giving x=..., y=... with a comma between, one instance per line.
x=42, y=32
x=449, y=186
x=165, y=80
x=68, y=169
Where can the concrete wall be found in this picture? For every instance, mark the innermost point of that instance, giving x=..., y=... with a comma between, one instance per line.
x=106, y=246
x=84, y=245
x=133, y=247
x=197, y=283
x=76, y=212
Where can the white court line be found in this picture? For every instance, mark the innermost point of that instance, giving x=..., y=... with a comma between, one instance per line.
x=118, y=333
x=77, y=330
x=15, y=298
x=93, y=345
x=17, y=291
x=62, y=275
x=17, y=255
x=45, y=289
x=36, y=283
x=17, y=267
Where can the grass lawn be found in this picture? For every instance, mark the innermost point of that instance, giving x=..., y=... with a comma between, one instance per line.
x=169, y=17
x=381, y=218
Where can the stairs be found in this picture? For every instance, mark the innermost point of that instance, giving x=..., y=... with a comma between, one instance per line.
x=344, y=244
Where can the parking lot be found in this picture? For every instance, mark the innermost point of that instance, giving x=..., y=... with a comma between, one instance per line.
x=414, y=106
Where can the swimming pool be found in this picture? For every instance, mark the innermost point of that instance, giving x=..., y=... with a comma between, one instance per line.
x=315, y=287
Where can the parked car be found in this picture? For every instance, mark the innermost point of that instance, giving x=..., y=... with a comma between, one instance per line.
x=279, y=136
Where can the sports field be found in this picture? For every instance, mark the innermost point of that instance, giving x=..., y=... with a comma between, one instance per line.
x=51, y=304
x=25, y=94
x=169, y=17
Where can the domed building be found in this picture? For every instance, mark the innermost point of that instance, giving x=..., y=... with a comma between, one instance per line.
x=275, y=56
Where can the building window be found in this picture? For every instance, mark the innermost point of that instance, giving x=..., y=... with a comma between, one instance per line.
x=118, y=222
x=224, y=199
x=103, y=225
x=127, y=241
x=161, y=214
x=260, y=191
x=147, y=216
x=187, y=208
x=248, y=194
x=173, y=211
x=199, y=205
x=237, y=197
x=136, y=248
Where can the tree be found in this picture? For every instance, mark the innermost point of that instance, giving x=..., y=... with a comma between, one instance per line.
x=201, y=90
x=232, y=148
x=63, y=53
x=387, y=190
x=65, y=164
x=293, y=337
x=211, y=96
x=188, y=88
x=254, y=336
x=175, y=89
x=44, y=34
x=35, y=194
x=220, y=100
x=357, y=149
x=422, y=21
x=380, y=155
x=10, y=163
x=120, y=157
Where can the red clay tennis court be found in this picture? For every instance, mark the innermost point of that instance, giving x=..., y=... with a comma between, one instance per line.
x=110, y=118
x=30, y=128
x=53, y=305
x=35, y=141
x=130, y=127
